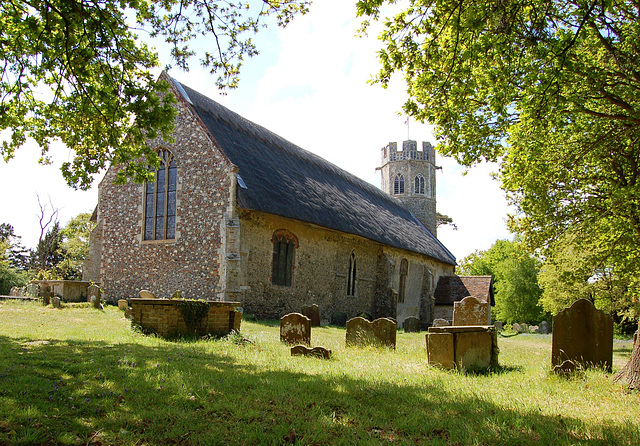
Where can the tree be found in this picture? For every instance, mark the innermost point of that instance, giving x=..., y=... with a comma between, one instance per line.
x=48, y=254
x=77, y=71
x=75, y=245
x=16, y=253
x=514, y=274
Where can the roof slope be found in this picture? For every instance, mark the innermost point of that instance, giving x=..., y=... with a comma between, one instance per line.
x=452, y=289
x=278, y=177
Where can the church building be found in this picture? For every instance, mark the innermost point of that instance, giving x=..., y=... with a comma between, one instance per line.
x=237, y=213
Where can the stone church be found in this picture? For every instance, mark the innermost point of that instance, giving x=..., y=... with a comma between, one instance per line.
x=237, y=213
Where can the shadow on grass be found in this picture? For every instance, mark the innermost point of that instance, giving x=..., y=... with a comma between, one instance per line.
x=54, y=392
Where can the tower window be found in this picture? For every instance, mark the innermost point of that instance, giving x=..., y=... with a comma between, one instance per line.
x=284, y=245
x=351, y=277
x=402, y=288
x=398, y=184
x=160, y=200
x=418, y=185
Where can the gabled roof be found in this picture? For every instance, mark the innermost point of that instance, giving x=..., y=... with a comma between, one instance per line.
x=278, y=177
x=452, y=289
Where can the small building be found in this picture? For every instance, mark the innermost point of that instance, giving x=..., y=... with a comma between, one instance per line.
x=237, y=213
x=451, y=289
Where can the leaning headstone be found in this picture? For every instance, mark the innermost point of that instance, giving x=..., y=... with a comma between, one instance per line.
x=498, y=325
x=339, y=318
x=411, y=325
x=471, y=311
x=93, y=292
x=582, y=335
x=123, y=304
x=544, y=328
x=313, y=313
x=381, y=332
x=440, y=323
x=295, y=328
x=516, y=328
x=146, y=294
x=317, y=352
x=55, y=301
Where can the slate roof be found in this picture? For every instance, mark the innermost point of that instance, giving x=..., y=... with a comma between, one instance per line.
x=278, y=177
x=452, y=289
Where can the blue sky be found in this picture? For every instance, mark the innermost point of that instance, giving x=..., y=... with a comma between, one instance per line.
x=309, y=85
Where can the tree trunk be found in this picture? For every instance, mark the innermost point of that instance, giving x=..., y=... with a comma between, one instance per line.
x=631, y=371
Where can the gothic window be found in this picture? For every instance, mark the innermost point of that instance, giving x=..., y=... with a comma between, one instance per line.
x=418, y=185
x=160, y=200
x=284, y=245
x=351, y=277
x=398, y=184
x=402, y=288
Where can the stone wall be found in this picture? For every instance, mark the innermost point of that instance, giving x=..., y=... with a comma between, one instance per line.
x=91, y=265
x=321, y=264
x=189, y=263
x=165, y=318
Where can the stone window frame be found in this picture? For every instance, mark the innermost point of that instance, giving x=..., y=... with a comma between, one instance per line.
x=285, y=243
x=398, y=184
x=402, y=284
x=352, y=274
x=419, y=185
x=170, y=234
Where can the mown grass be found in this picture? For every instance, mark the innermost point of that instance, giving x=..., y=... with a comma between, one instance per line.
x=82, y=376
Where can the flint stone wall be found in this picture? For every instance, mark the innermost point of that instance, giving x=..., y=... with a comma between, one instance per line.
x=163, y=317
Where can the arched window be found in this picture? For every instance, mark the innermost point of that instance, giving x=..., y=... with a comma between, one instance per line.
x=351, y=277
x=398, y=184
x=402, y=288
x=418, y=185
x=284, y=245
x=160, y=200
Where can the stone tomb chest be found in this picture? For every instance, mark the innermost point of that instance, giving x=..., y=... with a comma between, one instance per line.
x=469, y=347
x=184, y=317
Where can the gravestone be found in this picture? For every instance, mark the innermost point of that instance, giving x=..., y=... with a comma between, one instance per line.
x=313, y=313
x=93, y=292
x=525, y=327
x=46, y=294
x=516, y=328
x=498, y=325
x=15, y=292
x=339, y=318
x=411, y=325
x=381, y=332
x=468, y=347
x=440, y=350
x=123, y=304
x=440, y=323
x=146, y=294
x=295, y=328
x=55, y=301
x=544, y=328
x=582, y=335
x=470, y=311
x=317, y=352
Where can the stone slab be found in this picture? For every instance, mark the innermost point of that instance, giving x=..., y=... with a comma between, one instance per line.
x=411, y=325
x=381, y=332
x=473, y=350
x=471, y=311
x=295, y=328
x=440, y=351
x=313, y=313
x=317, y=352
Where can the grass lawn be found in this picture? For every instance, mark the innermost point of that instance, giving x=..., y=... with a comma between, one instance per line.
x=82, y=376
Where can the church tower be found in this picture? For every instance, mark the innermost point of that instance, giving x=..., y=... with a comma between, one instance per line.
x=410, y=176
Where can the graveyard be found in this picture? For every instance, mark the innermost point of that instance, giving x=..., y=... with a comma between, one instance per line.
x=77, y=375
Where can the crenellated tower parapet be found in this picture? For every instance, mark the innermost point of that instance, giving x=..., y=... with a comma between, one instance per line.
x=410, y=176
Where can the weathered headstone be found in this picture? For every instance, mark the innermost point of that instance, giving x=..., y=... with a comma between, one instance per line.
x=146, y=294
x=381, y=332
x=318, y=352
x=313, y=313
x=583, y=335
x=123, y=304
x=295, y=328
x=544, y=328
x=55, y=301
x=339, y=318
x=516, y=328
x=525, y=327
x=471, y=311
x=15, y=291
x=440, y=350
x=46, y=294
x=533, y=329
x=411, y=325
x=93, y=292
x=498, y=325
x=440, y=323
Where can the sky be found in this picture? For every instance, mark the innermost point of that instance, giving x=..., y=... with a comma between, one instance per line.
x=308, y=85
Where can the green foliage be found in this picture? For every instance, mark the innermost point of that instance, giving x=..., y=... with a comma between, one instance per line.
x=548, y=88
x=193, y=312
x=16, y=253
x=10, y=276
x=515, y=281
x=77, y=71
